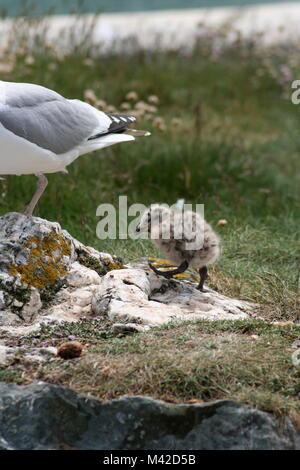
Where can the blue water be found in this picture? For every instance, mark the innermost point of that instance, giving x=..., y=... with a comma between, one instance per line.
x=14, y=7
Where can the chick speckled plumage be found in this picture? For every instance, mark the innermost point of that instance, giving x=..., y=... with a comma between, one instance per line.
x=184, y=237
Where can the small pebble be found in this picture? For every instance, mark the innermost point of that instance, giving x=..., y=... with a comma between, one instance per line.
x=69, y=350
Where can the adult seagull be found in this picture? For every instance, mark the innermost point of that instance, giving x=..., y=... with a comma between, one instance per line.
x=43, y=132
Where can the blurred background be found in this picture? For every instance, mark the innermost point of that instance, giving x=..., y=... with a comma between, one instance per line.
x=213, y=85
x=93, y=6
x=120, y=19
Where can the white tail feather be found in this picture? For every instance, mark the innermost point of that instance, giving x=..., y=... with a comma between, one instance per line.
x=137, y=133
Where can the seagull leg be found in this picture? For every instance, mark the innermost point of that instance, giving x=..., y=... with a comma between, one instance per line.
x=203, y=276
x=169, y=274
x=41, y=186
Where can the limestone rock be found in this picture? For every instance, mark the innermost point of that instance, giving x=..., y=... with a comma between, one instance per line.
x=141, y=295
x=44, y=416
x=4, y=351
x=128, y=328
x=45, y=271
x=8, y=354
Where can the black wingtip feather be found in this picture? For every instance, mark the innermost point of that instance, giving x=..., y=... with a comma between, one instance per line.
x=119, y=123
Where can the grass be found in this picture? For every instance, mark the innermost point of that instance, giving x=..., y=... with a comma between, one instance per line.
x=246, y=360
x=234, y=147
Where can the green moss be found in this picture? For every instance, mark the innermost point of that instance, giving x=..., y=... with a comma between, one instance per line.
x=13, y=292
x=48, y=293
x=92, y=263
x=8, y=375
x=101, y=268
x=85, y=329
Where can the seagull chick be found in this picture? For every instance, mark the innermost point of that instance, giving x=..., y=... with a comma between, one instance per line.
x=43, y=132
x=184, y=237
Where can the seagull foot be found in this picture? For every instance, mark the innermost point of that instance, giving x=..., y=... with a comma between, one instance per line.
x=169, y=274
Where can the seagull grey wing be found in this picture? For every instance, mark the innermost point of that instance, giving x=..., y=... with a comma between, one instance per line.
x=45, y=118
x=20, y=95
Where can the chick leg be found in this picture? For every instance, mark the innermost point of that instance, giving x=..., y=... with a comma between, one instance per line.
x=41, y=186
x=203, y=276
x=169, y=274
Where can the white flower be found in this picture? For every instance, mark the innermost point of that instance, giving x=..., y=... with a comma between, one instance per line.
x=100, y=104
x=159, y=123
x=90, y=96
x=132, y=96
x=125, y=106
x=153, y=99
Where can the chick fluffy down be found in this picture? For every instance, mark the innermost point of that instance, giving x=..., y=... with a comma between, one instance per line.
x=181, y=235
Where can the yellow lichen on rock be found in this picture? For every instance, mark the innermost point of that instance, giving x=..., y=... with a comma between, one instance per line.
x=115, y=264
x=160, y=262
x=45, y=264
